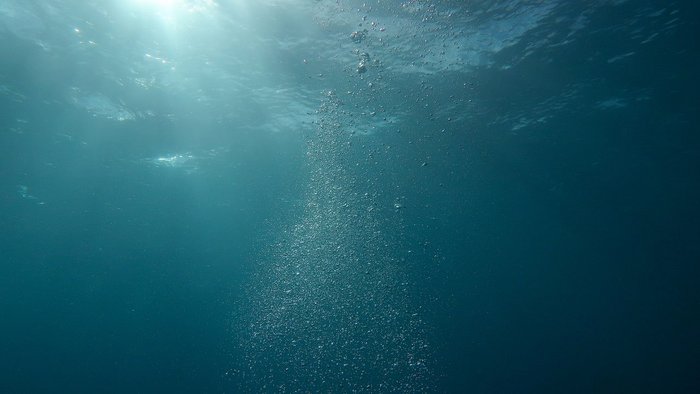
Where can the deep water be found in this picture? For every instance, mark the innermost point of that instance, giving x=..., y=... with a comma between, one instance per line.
x=349, y=196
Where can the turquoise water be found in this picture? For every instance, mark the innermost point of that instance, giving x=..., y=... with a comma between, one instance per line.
x=349, y=196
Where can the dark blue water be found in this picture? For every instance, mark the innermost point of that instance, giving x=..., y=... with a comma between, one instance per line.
x=349, y=196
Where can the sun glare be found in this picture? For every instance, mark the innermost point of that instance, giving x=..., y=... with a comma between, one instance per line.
x=168, y=12
x=170, y=9
x=160, y=4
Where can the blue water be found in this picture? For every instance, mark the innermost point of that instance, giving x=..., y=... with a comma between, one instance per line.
x=349, y=196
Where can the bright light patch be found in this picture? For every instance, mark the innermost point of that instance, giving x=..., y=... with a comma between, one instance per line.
x=168, y=13
x=160, y=4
